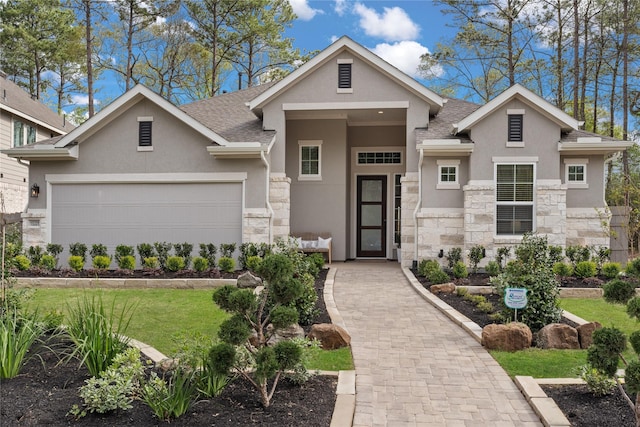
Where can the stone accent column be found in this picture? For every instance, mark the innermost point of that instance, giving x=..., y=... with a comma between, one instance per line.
x=551, y=211
x=479, y=213
x=14, y=197
x=34, y=228
x=409, y=199
x=588, y=226
x=619, y=234
x=440, y=228
x=255, y=226
x=280, y=199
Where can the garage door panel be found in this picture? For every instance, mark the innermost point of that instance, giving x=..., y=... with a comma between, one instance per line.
x=114, y=214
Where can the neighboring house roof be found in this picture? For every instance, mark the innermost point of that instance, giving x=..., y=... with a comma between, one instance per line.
x=18, y=102
x=345, y=43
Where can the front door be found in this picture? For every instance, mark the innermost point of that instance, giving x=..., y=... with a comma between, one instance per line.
x=372, y=216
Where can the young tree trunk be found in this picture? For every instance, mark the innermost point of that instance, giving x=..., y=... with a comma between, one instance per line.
x=89, y=44
x=264, y=395
x=576, y=58
x=637, y=410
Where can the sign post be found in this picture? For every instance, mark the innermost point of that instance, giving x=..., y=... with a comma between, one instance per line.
x=515, y=298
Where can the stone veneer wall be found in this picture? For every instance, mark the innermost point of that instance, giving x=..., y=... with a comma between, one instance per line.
x=440, y=228
x=479, y=212
x=587, y=226
x=409, y=199
x=34, y=228
x=255, y=226
x=280, y=199
x=551, y=211
x=14, y=197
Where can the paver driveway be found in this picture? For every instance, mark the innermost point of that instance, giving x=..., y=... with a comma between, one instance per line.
x=414, y=367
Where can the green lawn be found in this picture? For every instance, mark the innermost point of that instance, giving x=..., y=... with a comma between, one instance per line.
x=161, y=314
x=565, y=363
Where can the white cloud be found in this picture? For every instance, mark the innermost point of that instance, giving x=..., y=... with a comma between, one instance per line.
x=405, y=56
x=80, y=99
x=340, y=7
x=302, y=9
x=392, y=25
x=334, y=39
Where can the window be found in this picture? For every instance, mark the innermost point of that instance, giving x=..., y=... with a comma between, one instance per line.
x=576, y=173
x=310, y=160
x=514, y=198
x=23, y=134
x=397, y=209
x=448, y=175
x=380, y=157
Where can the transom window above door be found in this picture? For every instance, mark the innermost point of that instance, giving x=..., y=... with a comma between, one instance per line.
x=310, y=166
x=380, y=158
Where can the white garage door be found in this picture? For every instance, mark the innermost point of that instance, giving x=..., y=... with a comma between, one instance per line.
x=131, y=213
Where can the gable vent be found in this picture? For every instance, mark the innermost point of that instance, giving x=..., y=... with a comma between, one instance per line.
x=515, y=127
x=344, y=76
x=144, y=135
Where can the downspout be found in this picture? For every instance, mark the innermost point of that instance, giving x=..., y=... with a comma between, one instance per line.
x=267, y=166
x=417, y=209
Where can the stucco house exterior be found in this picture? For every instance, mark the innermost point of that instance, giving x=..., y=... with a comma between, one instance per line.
x=346, y=144
x=23, y=121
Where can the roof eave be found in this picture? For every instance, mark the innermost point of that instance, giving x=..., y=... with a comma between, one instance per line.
x=586, y=148
x=246, y=150
x=445, y=147
x=65, y=153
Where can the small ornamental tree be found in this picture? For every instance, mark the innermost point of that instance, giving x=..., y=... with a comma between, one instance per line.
x=245, y=335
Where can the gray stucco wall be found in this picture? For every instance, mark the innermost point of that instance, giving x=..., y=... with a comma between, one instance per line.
x=176, y=148
x=586, y=197
x=432, y=197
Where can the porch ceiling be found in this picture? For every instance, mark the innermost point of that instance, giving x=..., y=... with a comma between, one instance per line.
x=355, y=117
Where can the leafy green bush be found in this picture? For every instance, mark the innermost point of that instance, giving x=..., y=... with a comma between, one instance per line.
x=151, y=263
x=502, y=255
x=200, y=264
x=101, y=262
x=438, y=276
x=253, y=263
x=577, y=254
x=184, y=250
x=208, y=251
x=633, y=268
x=555, y=254
x=618, y=291
x=492, y=268
x=585, y=269
x=78, y=249
x=48, y=262
x=248, y=250
x=22, y=262
x=460, y=270
x=54, y=249
x=17, y=335
x=426, y=266
x=145, y=250
x=76, y=262
x=597, y=383
x=227, y=249
x=462, y=292
x=226, y=264
x=35, y=254
x=162, y=252
x=123, y=251
x=172, y=398
x=98, y=250
x=127, y=262
x=611, y=270
x=562, y=269
x=305, y=304
x=475, y=256
x=453, y=255
x=485, y=307
x=175, y=263
x=318, y=260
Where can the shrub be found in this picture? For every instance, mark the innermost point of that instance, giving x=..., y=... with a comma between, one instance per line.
x=493, y=268
x=253, y=263
x=618, y=291
x=151, y=262
x=597, y=383
x=145, y=250
x=460, y=270
x=227, y=249
x=208, y=251
x=562, y=269
x=76, y=262
x=462, y=292
x=555, y=254
x=226, y=264
x=577, y=254
x=21, y=262
x=54, y=249
x=611, y=270
x=318, y=260
x=162, y=252
x=475, y=256
x=98, y=250
x=453, y=255
x=200, y=264
x=601, y=256
x=17, y=335
x=502, y=254
x=170, y=399
x=633, y=268
x=175, y=263
x=184, y=250
x=305, y=304
x=585, y=269
x=485, y=307
x=78, y=249
x=35, y=254
x=123, y=251
x=48, y=262
x=426, y=266
x=438, y=276
x=101, y=262
x=127, y=262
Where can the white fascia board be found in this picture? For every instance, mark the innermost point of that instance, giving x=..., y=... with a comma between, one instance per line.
x=310, y=106
x=238, y=150
x=540, y=104
x=345, y=42
x=443, y=147
x=593, y=147
x=122, y=104
x=31, y=119
x=43, y=153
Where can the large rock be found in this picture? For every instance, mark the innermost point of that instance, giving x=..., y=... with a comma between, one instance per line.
x=585, y=333
x=330, y=336
x=248, y=280
x=510, y=337
x=445, y=288
x=293, y=331
x=558, y=335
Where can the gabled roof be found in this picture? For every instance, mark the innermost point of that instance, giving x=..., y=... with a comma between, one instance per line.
x=121, y=105
x=565, y=121
x=342, y=44
x=16, y=101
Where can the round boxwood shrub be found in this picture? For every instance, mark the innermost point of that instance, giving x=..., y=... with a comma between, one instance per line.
x=126, y=262
x=585, y=269
x=618, y=291
x=175, y=263
x=101, y=262
x=427, y=266
x=438, y=276
x=460, y=270
x=151, y=262
x=200, y=264
x=253, y=262
x=492, y=268
x=611, y=270
x=633, y=268
x=76, y=262
x=562, y=269
x=48, y=262
x=22, y=262
x=227, y=264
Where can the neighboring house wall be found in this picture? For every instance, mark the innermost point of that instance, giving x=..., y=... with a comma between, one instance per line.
x=13, y=179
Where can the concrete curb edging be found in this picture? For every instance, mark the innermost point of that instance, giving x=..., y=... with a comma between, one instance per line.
x=138, y=283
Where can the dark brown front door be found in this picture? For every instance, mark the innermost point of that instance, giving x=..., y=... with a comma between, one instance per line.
x=372, y=216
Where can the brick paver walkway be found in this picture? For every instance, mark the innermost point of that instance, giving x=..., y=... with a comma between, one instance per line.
x=414, y=367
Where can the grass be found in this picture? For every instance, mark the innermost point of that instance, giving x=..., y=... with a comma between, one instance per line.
x=161, y=314
x=565, y=363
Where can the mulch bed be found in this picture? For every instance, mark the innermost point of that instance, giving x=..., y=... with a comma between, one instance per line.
x=44, y=392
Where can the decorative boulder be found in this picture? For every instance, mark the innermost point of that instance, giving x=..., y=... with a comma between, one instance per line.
x=585, y=333
x=293, y=331
x=558, y=335
x=510, y=337
x=445, y=288
x=330, y=336
x=248, y=280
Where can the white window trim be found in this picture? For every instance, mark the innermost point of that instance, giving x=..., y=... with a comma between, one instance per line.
x=448, y=185
x=25, y=132
x=516, y=144
x=379, y=150
x=514, y=161
x=576, y=162
x=310, y=143
x=145, y=118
